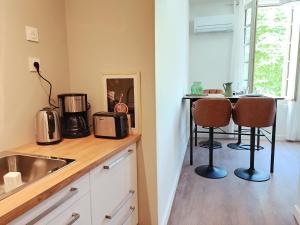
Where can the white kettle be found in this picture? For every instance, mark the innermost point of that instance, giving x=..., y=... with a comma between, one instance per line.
x=48, y=130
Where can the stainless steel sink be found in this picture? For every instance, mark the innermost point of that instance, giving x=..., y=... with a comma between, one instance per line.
x=31, y=167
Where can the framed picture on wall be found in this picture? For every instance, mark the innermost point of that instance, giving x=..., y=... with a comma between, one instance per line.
x=122, y=94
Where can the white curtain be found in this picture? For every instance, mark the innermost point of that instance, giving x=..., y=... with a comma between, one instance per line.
x=237, y=53
x=293, y=111
x=293, y=125
x=293, y=117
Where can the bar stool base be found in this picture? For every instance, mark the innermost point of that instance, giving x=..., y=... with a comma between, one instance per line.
x=205, y=144
x=252, y=175
x=236, y=146
x=211, y=172
x=247, y=147
x=240, y=146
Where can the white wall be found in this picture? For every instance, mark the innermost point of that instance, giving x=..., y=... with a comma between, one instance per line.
x=297, y=206
x=21, y=93
x=282, y=111
x=171, y=77
x=118, y=36
x=210, y=53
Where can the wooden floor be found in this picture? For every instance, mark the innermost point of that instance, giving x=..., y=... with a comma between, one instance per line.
x=233, y=201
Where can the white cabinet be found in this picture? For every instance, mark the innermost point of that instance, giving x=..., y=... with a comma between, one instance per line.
x=64, y=200
x=114, y=190
x=105, y=196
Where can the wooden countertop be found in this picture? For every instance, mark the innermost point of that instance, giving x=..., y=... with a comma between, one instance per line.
x=88, y=152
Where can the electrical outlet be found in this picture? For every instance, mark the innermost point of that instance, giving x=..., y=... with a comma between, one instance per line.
x=32, y=60
x=32, y=34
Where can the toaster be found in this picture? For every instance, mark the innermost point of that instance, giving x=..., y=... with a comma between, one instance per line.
x=110, y=125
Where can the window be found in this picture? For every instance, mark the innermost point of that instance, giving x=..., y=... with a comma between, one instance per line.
x=276, y=50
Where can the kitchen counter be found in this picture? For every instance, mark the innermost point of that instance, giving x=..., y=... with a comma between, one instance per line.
x=88, y=152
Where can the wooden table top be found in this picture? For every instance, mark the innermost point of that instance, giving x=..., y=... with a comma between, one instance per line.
x=88, y=152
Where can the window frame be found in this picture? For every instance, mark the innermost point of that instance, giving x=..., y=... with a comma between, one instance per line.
x=253, y=5
x=286, y=82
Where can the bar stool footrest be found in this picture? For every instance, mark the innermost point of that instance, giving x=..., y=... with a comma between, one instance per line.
x=212, y=172
x=252, y=175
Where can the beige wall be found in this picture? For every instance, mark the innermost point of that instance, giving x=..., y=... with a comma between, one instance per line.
x=118, y=36
x=2, y=22
x=21, y=92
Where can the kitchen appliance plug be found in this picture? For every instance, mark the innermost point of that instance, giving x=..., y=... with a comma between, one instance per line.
x=37, y=66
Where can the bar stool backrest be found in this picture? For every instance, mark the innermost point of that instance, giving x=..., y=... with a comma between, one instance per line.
x=213, y=91
x=212, y=112
x=254, y=112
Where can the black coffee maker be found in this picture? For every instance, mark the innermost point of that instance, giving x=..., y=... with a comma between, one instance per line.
x=73, y=108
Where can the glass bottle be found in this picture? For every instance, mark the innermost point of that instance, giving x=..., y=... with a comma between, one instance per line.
x=197, y=88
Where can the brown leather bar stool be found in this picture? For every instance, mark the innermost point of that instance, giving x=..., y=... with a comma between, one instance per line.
x=255, y=113
x=213, y=91
x=205, y=144
x=211, y=113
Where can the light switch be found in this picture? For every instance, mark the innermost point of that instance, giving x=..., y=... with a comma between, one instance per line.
x=32, y=34
x=31, y=60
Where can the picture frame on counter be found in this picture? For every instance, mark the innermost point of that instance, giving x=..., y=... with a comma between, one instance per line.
x=122, y=94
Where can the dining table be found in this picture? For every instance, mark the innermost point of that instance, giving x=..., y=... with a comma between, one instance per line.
x=232, y=99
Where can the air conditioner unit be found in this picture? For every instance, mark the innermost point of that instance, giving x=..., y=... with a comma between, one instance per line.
x=219, y=23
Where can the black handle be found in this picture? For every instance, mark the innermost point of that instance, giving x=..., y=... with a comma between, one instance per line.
x=51, y=124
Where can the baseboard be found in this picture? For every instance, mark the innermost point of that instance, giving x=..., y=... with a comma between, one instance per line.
x=173, y=191
x=297, y=213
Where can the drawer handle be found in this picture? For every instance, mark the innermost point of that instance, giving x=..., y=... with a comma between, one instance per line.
x=73, y=191
x=73, y=219
x=124, y=220
x=120, y=206
x=117, y=161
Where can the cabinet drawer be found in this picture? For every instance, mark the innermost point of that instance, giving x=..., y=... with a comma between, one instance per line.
x=128, y=214
x=53, y=206
x=112, y=182
x=78, y=214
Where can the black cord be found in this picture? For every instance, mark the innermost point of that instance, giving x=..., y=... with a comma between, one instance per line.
x=37, y=67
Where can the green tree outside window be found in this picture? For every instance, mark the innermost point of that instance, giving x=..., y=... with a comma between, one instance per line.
x=271, y=45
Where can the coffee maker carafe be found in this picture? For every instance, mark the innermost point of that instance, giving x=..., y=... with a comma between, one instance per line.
x=73, y=108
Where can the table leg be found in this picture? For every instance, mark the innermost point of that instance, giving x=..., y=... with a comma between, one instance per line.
x=258, y=137
x=191, y=133
x=239, y=135
x=196, y=135
x=273, y=142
